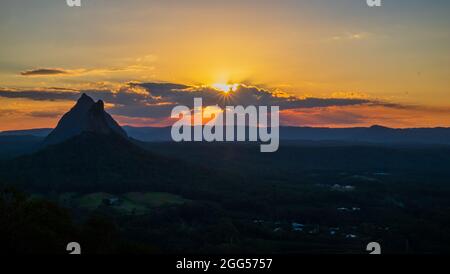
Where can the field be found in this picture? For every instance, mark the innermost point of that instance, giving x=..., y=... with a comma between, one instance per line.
x=306, y=198
x=136, y=203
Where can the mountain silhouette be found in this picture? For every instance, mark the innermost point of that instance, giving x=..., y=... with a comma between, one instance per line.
x=88, y=151
x=94, y=161
x=86, y=116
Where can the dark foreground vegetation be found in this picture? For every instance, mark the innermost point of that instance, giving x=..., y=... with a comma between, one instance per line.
x=116, y=197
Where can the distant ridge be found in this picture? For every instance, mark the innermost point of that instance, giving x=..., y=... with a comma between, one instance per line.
x=86, y=116
x=374, y=134
x=37, y=132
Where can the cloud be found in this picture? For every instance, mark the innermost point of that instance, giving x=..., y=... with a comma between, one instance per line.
x=143, y=64
x=43, y=72
x=352, y=36
x=150, y=104
x=46, y=114
x=155, y=101
x=244, y=95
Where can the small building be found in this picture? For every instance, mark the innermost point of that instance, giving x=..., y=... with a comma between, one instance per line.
x=298, y=227
x=113, y=201
x=278, y=229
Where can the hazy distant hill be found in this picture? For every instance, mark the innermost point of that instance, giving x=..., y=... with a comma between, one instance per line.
x=374, y=134
x=38, y=132
x=15, y=145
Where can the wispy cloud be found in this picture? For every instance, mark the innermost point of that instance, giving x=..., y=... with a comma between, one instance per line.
x=46, y=114
x=352, y=36
x=43, y=72
x=138, y=64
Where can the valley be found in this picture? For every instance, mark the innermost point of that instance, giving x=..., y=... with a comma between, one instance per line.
x=116, y=194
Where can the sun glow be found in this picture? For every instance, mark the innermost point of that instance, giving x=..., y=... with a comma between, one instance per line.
x=226, y=88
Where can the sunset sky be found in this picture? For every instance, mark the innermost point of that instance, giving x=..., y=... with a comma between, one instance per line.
x=324, y=62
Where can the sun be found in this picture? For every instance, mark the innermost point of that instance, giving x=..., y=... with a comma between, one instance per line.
x=226, y=88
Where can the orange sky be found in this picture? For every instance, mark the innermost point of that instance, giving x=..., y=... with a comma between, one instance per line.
x=398, y=54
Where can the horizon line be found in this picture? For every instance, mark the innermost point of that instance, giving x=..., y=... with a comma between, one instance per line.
x=281, y=126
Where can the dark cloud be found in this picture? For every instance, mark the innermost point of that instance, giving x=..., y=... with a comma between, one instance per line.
x=156, y=100
x=43, y=72
x=244, y=95
x=165, y=96
x=45, y=114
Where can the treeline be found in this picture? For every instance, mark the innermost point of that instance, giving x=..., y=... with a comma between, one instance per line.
x=35, y=226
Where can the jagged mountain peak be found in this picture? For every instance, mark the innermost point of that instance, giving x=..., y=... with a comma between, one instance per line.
x=84, y=102
x=85, y=98
x=86, y=116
